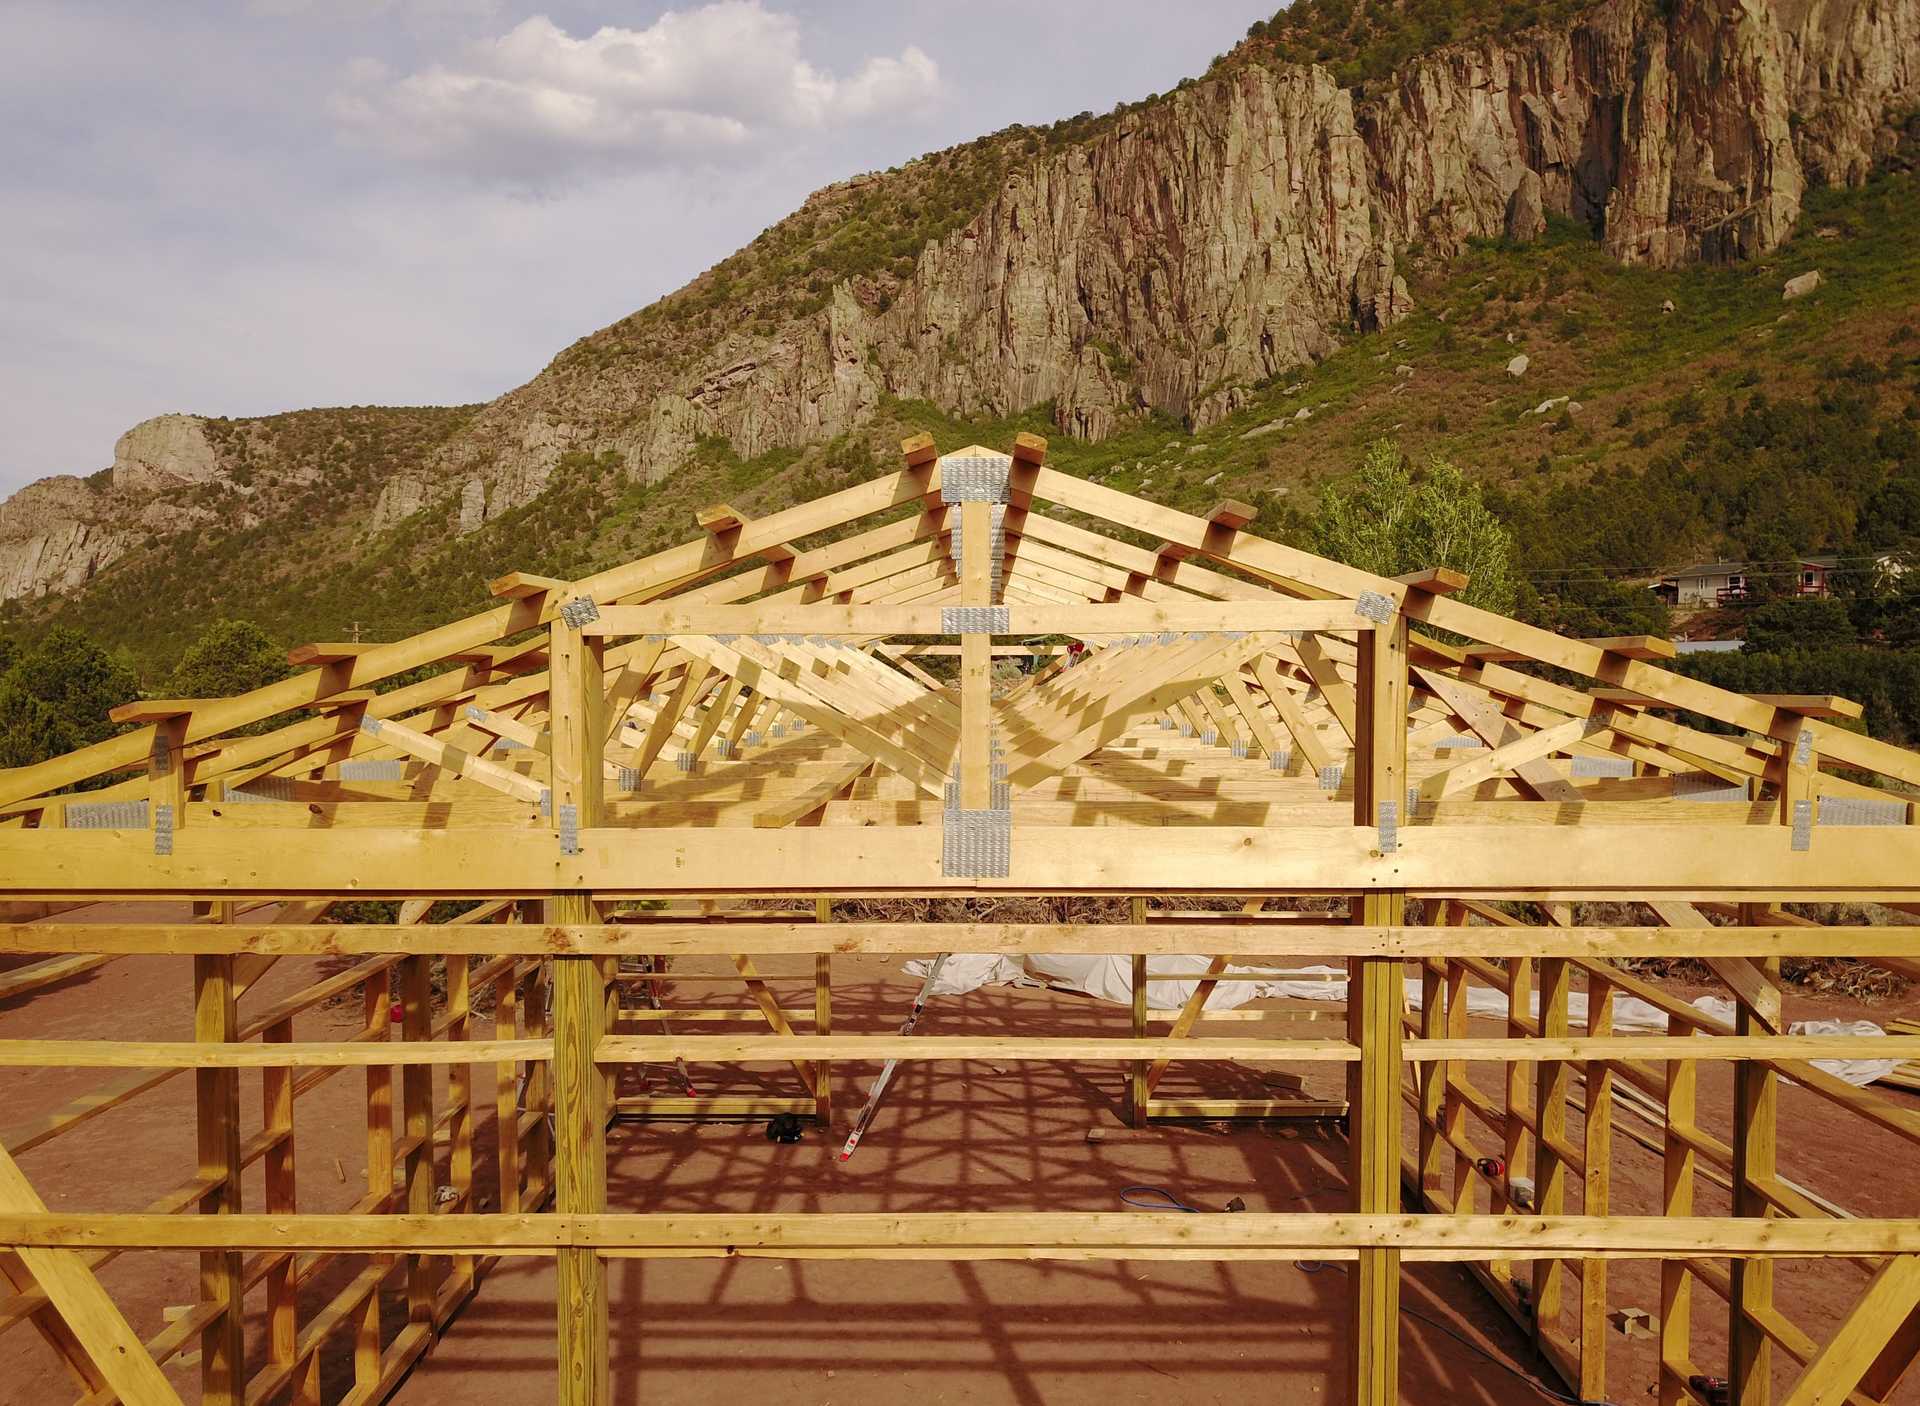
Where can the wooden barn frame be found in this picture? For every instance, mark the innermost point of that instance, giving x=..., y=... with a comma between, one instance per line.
x=695, y=755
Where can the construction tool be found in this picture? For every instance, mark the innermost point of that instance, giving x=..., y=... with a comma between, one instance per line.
x=879, y=1089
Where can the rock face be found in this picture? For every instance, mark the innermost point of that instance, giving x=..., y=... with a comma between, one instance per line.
x=1196, y=245
x=1214, y=238
x=56, y=534
x=168, y=451
x=1526, y=211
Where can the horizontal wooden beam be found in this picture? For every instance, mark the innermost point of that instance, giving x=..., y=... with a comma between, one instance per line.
x=1127, y=617
x=131, y=1054
x=751, y=933
x=1867, y=863
x=960, y=1235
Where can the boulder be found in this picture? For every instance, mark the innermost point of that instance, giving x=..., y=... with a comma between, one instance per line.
x=1518, y=366
x=1800, y=286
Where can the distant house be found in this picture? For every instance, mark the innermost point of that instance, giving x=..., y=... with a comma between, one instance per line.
x=1731, y=582
x=1705, y=583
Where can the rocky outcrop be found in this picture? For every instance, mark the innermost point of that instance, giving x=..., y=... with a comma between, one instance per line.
x=166, y=452
x=1193, y=247
x=1222, y=234
x=58, y=533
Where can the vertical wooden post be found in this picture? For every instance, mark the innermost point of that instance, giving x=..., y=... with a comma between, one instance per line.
x=506, y=1091
x=416, y=1111
x=1137, y=1091
x=1515, y=1142
x=1554, y=1080
x=1376, y=999
x=1756, y=1096
x=823, y=1017
x=217, y=1109
x=1597, y=1154
x=460, y=1111
x=379, y=1198
x=579, y=1164
x=276, y=1099
x=580, y=1089
x=976, y=659
x=1466, y=1176
x=1432, y=1077
x=1676, y=1279
x=1756, y=1100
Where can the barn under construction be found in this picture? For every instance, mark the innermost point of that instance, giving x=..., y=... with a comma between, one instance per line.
x=630, y=828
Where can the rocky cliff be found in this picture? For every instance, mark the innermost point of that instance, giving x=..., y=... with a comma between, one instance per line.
x=1235, y=228
x=1189, y=247
x=56, y=533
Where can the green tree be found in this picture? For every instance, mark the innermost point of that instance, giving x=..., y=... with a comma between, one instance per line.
x=56, y=695
x=1782, y=626
x=1390, y=519
x=233, y=656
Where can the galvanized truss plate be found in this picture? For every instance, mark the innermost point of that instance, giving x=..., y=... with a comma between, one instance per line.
x=1803, y=824
x=391, y=769
x=974, y=478
x=262, y=788
x=1371, y=605
x=1602, y=766
x=1705, y=786
x=1387, y=819
x=107, y=815
x=1859, y=810
x=976, y=620
x=580, y=612
x=976, y=844
x=163, y=828
x=569, y=829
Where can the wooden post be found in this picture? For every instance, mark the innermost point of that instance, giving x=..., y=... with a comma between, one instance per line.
x=823, y=1017
x=460, y=1277
x=379, y=1197
x=1376, y=999
x=416, y=1111
x=1137, y=1091
x=976, y=659
x=580, y=1089
x=506, y=1090
x=217, y=1109
x=1553, y=1082
x=283, y=1327
x=1756, y=1100
x=1676, y=1280
x=1597, y=1190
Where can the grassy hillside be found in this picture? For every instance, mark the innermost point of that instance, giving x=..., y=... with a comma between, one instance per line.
x=1734, y=423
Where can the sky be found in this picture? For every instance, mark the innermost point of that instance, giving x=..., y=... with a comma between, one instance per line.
x=238, y=207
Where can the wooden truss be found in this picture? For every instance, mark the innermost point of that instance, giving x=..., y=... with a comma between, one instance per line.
x=693, y=755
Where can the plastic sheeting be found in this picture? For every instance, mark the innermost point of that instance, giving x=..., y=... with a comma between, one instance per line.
x=1110, y=978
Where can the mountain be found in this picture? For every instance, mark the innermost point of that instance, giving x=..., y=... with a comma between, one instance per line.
x=1155, y=280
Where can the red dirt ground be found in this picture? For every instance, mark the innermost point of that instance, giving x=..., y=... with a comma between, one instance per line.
x=951, y=1138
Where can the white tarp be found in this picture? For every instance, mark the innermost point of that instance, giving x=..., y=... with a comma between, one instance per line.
x=1110, y=978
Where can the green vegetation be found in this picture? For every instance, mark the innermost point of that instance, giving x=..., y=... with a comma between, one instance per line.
x=1389, y=519
x=1368, y=39
x=1640, y=437
x=55, y=695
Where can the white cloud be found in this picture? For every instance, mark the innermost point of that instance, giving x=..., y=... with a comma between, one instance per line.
x=538, y=108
